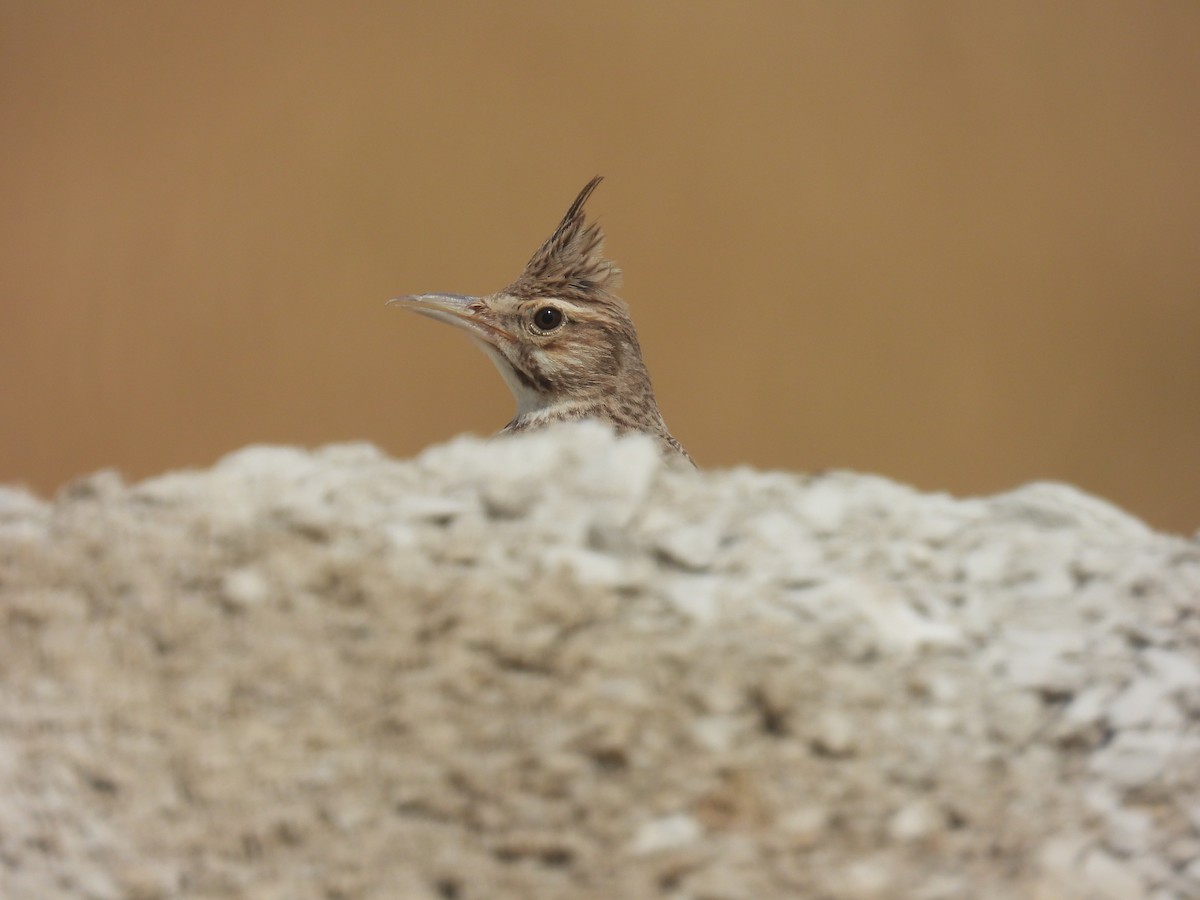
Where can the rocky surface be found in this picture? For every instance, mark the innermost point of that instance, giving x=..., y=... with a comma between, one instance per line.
x=552, y=666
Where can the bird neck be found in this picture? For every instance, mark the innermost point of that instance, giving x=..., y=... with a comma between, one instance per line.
x=630, y=407
x=625, y=410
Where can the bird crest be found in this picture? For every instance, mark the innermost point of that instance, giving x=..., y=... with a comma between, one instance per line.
x=571, y=263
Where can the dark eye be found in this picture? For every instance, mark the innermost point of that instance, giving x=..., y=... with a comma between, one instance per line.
x=547, y=318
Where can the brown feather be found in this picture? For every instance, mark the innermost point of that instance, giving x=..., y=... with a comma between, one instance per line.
x=570, y=264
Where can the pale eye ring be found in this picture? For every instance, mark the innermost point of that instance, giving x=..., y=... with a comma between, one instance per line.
x=547, y=318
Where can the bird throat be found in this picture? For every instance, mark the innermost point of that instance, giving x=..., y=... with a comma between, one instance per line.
x=529, y=399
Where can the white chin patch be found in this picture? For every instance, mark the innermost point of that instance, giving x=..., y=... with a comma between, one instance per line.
x=528, y=401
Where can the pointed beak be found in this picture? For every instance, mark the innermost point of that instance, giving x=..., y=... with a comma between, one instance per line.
x=468, y=313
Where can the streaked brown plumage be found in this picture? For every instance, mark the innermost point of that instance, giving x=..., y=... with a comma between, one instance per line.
x=560, y=336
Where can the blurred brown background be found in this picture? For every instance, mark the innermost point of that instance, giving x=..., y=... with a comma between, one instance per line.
x=955, y=244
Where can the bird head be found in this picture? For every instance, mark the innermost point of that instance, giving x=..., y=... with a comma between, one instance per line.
x=558, y=334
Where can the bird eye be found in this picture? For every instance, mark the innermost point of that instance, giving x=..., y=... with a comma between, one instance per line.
x=547, y=318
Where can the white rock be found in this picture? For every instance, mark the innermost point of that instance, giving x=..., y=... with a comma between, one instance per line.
x=1107, y=878
x=778, y=544
x=1184, y=851
x=1192, y=873
x=245, y=587
x=1175, y=671
x=1061, y=854
x=1086, y=711
x=23, y=516
x=1130, y=831
x=1055, y=505
x=834, y=734
x=1143, y=703
x=510, y=499
x=401, y=536
x=987, y=563
x=267, y=460
x=625, y=470
x=666, y=833
x=107, y=484
x=897, y=624
x=915, y=822
x=593, y=569
x=806, y=825
x=1193, y=813
x=690, y=546
x=717, y=732
x=696, y=596
x=1044, y=660
x=351, y=453
x=868, y=878
x=1016, y=717
x=1135, y=758
x=823, y=507
x=431, y=507
x=16, y=502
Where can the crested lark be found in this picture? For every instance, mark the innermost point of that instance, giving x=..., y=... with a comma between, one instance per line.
x=560, y=336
